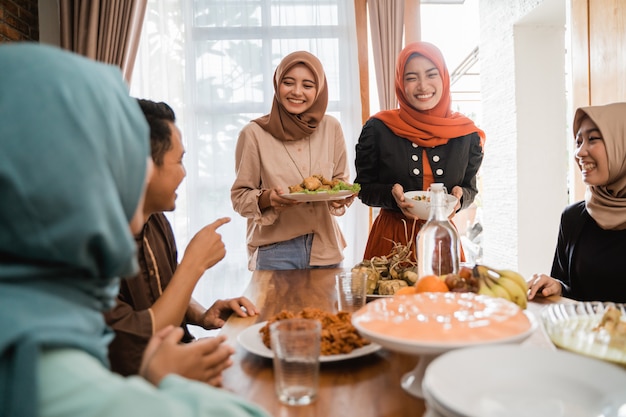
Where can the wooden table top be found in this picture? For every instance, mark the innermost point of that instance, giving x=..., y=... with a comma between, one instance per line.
x=365, y=386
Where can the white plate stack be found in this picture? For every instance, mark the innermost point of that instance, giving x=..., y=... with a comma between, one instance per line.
x=522, y=381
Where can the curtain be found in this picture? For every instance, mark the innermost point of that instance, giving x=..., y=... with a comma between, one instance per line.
x=387, y=27
x=104, y=30
x=213, y=61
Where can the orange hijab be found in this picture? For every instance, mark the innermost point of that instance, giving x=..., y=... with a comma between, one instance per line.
x=288, y=126
x=426, y=128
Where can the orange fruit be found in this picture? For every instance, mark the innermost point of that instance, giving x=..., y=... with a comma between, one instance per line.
x=431, y=283
x=406, y=290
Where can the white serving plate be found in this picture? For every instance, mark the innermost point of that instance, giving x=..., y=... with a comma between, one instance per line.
x=319, y=196
x=414, y=342
x=420, y=343
x=252, y=341
x=524, y=381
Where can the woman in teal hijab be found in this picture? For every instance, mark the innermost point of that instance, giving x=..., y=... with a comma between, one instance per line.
x=73, y=155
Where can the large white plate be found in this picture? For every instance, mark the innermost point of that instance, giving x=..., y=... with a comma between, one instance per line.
x=428, y=324
x=320, y=196
x=571, y=326
x=522, y=381
x=416, y=341
x=252, y=341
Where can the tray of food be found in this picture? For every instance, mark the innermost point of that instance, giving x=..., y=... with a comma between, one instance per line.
x=340, y=339
x=596, y=329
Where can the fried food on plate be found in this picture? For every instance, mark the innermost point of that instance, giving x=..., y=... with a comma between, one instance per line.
x=317, y=183
x=338, y=334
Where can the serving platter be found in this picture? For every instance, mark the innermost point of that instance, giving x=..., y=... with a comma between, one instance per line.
x=564, y=384
x=319, y=196
x=251, y=340
x=572, y=326
x=429, y=324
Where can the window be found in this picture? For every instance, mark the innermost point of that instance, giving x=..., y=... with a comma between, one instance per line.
x=213, y=61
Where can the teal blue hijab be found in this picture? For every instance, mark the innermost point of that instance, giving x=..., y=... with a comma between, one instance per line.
x=73, y=154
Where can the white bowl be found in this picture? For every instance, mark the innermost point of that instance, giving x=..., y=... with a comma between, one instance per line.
x=421, y=208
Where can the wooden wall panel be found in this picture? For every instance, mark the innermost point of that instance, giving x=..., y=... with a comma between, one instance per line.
x=607, y=50
x=598, y=30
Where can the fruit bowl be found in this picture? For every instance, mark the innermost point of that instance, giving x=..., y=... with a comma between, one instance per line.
x=572, y=326
x=421, y=206
x=428, y=324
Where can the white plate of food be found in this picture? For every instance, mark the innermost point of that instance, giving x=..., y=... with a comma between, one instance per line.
x=309, y=196
x=432, y=323
x=251, y=340
x=520, y=381
x=578, y=327
x=429, y=324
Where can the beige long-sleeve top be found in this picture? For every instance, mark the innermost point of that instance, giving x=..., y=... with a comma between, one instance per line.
x=263, y=162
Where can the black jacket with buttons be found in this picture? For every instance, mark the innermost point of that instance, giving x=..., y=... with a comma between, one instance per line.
x=384, y=159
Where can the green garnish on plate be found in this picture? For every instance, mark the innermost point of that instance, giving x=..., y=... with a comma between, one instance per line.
x=341, y=186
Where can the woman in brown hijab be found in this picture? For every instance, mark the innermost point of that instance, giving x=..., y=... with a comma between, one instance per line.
x=588, y=263
x=295, y=141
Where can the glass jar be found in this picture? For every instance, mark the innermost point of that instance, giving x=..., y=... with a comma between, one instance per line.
x=438, y=244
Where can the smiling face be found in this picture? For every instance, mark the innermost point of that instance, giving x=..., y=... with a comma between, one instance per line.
x=297, y=89
x=591, y=153
x=423, y=85
x=166, y=177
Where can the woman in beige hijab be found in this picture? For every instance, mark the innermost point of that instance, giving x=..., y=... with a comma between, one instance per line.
x=588, y=263
x=295, y=141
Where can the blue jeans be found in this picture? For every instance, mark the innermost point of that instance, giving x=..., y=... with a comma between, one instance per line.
x=290, y=254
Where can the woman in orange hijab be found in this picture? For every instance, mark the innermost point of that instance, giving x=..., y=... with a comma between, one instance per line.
x=409, y=148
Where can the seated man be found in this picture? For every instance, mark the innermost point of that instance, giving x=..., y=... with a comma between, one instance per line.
x=161, y=294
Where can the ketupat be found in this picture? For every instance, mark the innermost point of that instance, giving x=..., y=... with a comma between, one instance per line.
x=398, y=265
x=372, y=277
x=390, y=286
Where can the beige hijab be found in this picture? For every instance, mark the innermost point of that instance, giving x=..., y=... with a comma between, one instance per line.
x=287, y=126
x=607, y=203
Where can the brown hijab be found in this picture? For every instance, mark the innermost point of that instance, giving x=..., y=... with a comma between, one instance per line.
x=607, y=203
x=426, y=128
x=287, y=126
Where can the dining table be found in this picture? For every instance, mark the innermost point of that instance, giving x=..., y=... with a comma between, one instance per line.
x=362, y=386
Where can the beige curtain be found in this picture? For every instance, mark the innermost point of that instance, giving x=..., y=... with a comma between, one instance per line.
x=387, y=26
x=104, y=30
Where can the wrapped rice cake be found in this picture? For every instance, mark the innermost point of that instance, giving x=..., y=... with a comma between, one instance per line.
x=390, y=286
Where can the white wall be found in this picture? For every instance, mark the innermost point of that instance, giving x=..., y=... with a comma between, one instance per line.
x=522, y=53
x=541, y=145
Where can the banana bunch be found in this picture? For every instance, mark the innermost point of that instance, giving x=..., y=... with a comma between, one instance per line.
x=502, y=283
